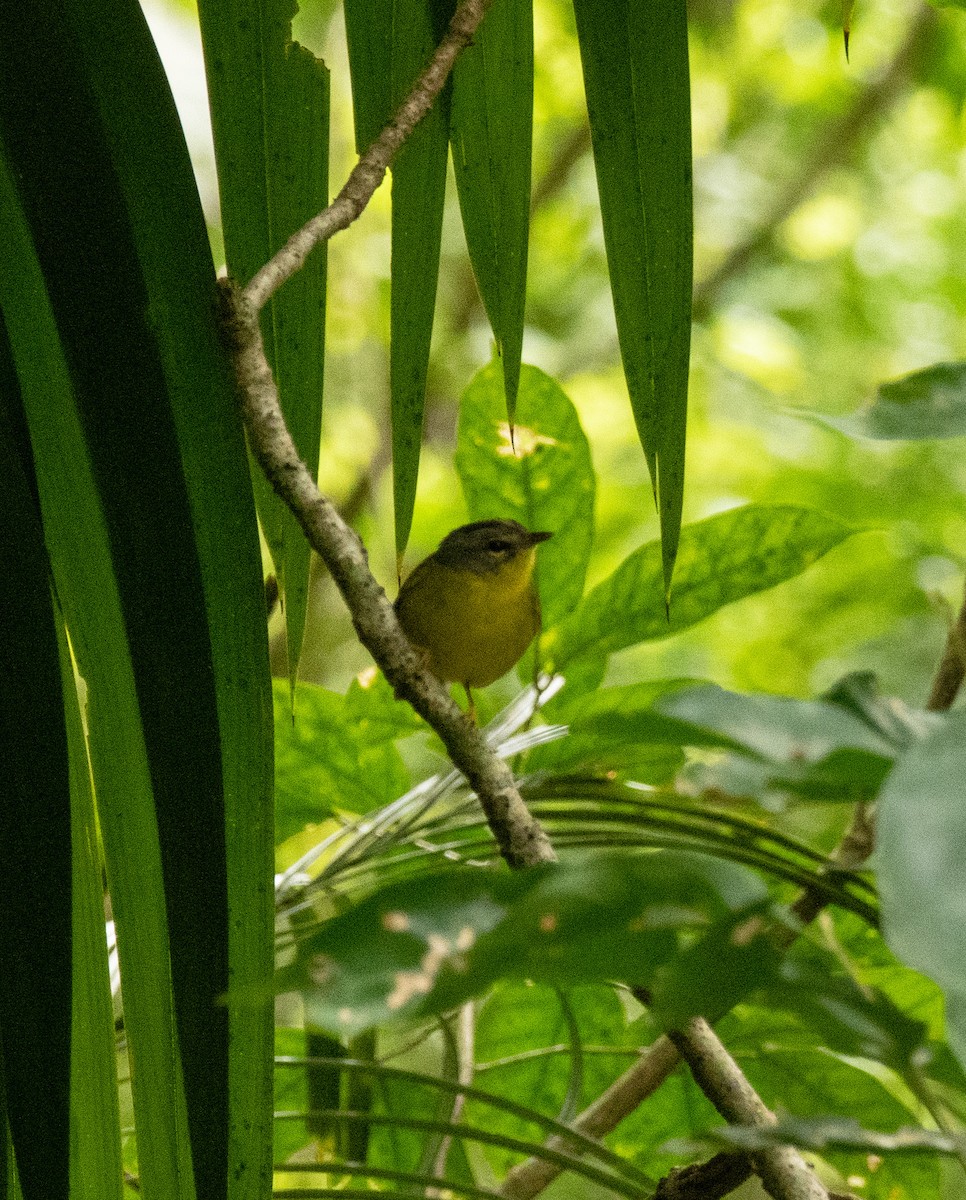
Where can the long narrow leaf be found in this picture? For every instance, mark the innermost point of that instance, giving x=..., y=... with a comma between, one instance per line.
x=492, y=134
x=270, y=119
x=392, y=41
x=636, y=75
x=79, y=549
x=147, y=510
x=35, y=834
x=95, y=1164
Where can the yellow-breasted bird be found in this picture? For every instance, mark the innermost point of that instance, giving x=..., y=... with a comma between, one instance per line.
x=472, y=607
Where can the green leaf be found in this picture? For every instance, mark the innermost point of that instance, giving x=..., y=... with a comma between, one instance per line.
x=148, y=518
x=491, y=133
x=721, y=559
x=270, y=119
x=778, y=728
x=544, y=479
x=369, y=31
x=730, y=960
x=389, y=45
x=849, y=1018
x=921, y=843
x=927, y=404
x=96, y=1163
x=522, y=1019
x=79, y=550
x=35, y=829
x=899, y=725
x=837, y=748
x=418, y=194
x=617, y=729
x=427, y=944
x=636, y=76
x=810, y=1081
x=336, y=755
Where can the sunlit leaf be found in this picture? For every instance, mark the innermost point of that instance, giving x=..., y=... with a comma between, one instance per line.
x=543, y=479
x=96, y=1158
x=333, y=756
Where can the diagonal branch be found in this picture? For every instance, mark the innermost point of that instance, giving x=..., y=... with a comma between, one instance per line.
x=782, y=1170
x=371, y=168
x=521, y=839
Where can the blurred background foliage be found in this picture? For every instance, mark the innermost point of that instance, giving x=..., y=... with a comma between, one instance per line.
x=829, y=221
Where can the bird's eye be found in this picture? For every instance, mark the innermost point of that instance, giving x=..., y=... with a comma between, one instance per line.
x=497, y=546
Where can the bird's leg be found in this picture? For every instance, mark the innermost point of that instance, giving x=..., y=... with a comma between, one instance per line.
x=471, y=711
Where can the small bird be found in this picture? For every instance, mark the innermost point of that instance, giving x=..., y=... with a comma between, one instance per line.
x=472, y=607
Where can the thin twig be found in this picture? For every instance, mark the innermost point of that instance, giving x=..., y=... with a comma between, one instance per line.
x=623, y=1097
x=371, y=168
x=952, y=666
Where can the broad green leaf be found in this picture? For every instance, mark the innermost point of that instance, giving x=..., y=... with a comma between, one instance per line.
x=334, y=757
x=849, y=1018
x=778, y=728
x=844, y=1133
x=921, y=842
x=270, y=118
x=927, y=404
x=389, y=45
x=35, y=826
x=617, y=729
x=430, y=943
x=491, y=134
x=809, y=747
x=377, y=711
x=728, y=962
x=887, y=716
x=543, y=478
x=720, y=560
x=524, y=1048
x=637, y=80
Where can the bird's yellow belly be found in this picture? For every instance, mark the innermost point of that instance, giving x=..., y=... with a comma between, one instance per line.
x=477, y=629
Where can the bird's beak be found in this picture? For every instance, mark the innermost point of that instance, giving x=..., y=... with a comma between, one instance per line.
x=539, y=537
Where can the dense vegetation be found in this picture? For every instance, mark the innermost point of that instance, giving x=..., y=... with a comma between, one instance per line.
x=738, y=728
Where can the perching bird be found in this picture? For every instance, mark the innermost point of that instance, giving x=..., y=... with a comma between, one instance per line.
x=472, y=607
